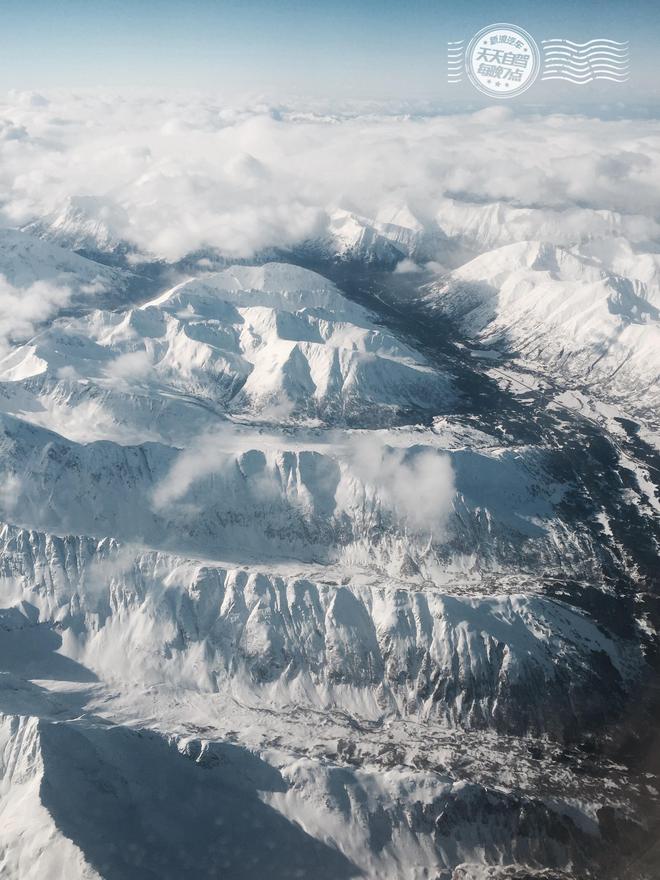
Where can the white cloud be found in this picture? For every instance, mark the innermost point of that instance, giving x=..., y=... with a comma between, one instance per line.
x=199, y=460
x=406, y=267
x=10, y=490
x=22, y=309
x=131, y=365
x=216, y=454
x=415, y=484
x=174, y=174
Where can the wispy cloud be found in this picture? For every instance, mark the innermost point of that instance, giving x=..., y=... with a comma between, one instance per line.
x=416, y=485
x=23, y=308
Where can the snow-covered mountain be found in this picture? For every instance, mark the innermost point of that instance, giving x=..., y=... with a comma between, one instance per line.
x=303, y=708
x=378, y=647
x=384, y=240
x=273, y=342
x=304, y=810
x=288, y=555
x=483, y=225
x=447, y=513
x=26, y=259
x=85, y=223
x=460, y=229
x=564, y=312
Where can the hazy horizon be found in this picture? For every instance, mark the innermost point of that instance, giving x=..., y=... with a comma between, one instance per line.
x=366, y=51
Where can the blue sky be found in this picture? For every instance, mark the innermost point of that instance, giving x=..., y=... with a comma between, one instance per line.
x=361, y=48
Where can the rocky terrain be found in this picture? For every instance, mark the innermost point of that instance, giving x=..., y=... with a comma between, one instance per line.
x=313, y=568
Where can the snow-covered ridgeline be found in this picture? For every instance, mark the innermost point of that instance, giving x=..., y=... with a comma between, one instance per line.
x=273, y=342
x=346, y=821
x=370, y=648
x=422, y=508
x=565, y=312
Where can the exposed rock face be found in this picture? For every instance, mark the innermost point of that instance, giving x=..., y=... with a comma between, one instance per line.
x=362, y=611
x=379, y=648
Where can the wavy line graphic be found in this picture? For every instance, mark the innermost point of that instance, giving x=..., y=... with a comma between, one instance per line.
x=597, y=42
x=589, y=75
x=577, y=82
x=582, y=63
x=455, y=60
x=585, y=68
x=566, y=52
x=580, y=59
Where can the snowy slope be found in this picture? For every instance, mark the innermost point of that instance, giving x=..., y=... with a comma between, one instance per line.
x=459, y=229
x=566, y=313
x=439, y=512
x=384, y=240
x=481, y=226
x=273, y=342
x=346, y=601
x=84, y=223
x=26, y=259
x=516, y=663
x=249, y=815
x=346, y=699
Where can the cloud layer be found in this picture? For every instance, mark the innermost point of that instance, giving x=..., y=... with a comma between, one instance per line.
x=173, y=175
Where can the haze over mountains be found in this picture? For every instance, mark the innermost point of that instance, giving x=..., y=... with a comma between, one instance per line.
x=329, y=500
